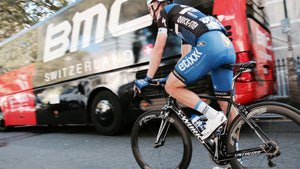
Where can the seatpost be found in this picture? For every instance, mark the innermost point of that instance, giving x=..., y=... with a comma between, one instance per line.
x=236, y=75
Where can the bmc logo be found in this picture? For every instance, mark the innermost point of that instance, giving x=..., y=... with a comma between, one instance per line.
x=58, y=39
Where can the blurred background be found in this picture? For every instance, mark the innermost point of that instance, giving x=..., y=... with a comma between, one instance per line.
x=278, y=11
x=18, y=15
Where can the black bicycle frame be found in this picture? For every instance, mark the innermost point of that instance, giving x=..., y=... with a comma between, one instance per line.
x=172, y=104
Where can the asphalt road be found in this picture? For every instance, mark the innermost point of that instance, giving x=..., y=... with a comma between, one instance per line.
x=73, y=147
x=77, y=147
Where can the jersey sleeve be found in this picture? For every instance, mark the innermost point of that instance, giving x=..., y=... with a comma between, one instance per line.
x=162, y=22
x=183, y=42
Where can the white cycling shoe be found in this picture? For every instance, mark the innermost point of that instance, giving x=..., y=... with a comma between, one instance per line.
x=212, y=124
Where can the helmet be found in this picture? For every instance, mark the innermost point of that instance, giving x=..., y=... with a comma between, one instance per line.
x=150, y=1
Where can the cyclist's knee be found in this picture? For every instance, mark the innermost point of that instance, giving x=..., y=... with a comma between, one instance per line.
x=173, y=84
x=169, y=87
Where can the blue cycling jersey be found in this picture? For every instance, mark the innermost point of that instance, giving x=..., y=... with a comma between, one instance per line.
x=187, y=22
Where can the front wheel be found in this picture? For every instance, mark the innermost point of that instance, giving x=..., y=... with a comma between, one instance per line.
x=175, y=152
x=281, y=123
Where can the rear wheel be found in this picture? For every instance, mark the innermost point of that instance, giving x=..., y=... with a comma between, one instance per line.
x=175, y=152
x=106, y=113
x=281, y=123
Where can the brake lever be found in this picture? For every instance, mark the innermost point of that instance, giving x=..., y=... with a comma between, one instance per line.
x=136, y=92
x=146, y=99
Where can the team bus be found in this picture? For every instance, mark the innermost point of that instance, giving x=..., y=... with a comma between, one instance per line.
x=79, y=66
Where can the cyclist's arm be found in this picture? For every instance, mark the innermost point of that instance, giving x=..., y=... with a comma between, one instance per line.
x=157, y=53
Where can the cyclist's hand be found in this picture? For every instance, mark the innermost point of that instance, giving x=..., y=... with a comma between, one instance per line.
x=141, y=83
x=163, y=80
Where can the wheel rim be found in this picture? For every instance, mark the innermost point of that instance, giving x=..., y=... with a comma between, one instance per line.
x=175, y=152
x=146, y=144
x=104, y=112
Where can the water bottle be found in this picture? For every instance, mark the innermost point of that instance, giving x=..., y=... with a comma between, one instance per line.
x=196, y=120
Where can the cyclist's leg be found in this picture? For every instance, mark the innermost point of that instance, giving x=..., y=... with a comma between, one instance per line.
x=193, y=66
x=175, y=88
x=222, y=80
x=202, y=59
x=190, y=68
x=233, y=110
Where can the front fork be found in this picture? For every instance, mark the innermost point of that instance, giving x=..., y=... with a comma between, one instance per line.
x=163, y=129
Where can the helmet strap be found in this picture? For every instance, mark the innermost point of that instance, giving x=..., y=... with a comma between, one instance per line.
x=154, y=11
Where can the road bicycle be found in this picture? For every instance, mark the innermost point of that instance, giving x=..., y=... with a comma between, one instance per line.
x=262, y=135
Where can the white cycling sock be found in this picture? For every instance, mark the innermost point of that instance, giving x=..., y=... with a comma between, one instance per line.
x=205, y=109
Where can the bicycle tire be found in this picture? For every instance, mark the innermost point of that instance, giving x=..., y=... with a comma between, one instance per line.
x=178, y=143
x=280, y=122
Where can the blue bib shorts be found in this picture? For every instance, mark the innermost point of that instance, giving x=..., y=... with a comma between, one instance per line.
x=213, y=49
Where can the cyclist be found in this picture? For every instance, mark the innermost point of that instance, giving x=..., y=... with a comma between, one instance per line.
x=205, y=48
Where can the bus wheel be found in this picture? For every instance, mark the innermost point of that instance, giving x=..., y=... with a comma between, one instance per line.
x=106, y=113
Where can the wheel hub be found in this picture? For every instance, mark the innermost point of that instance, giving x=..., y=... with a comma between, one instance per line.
x=103, y=109
x=272, y=148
